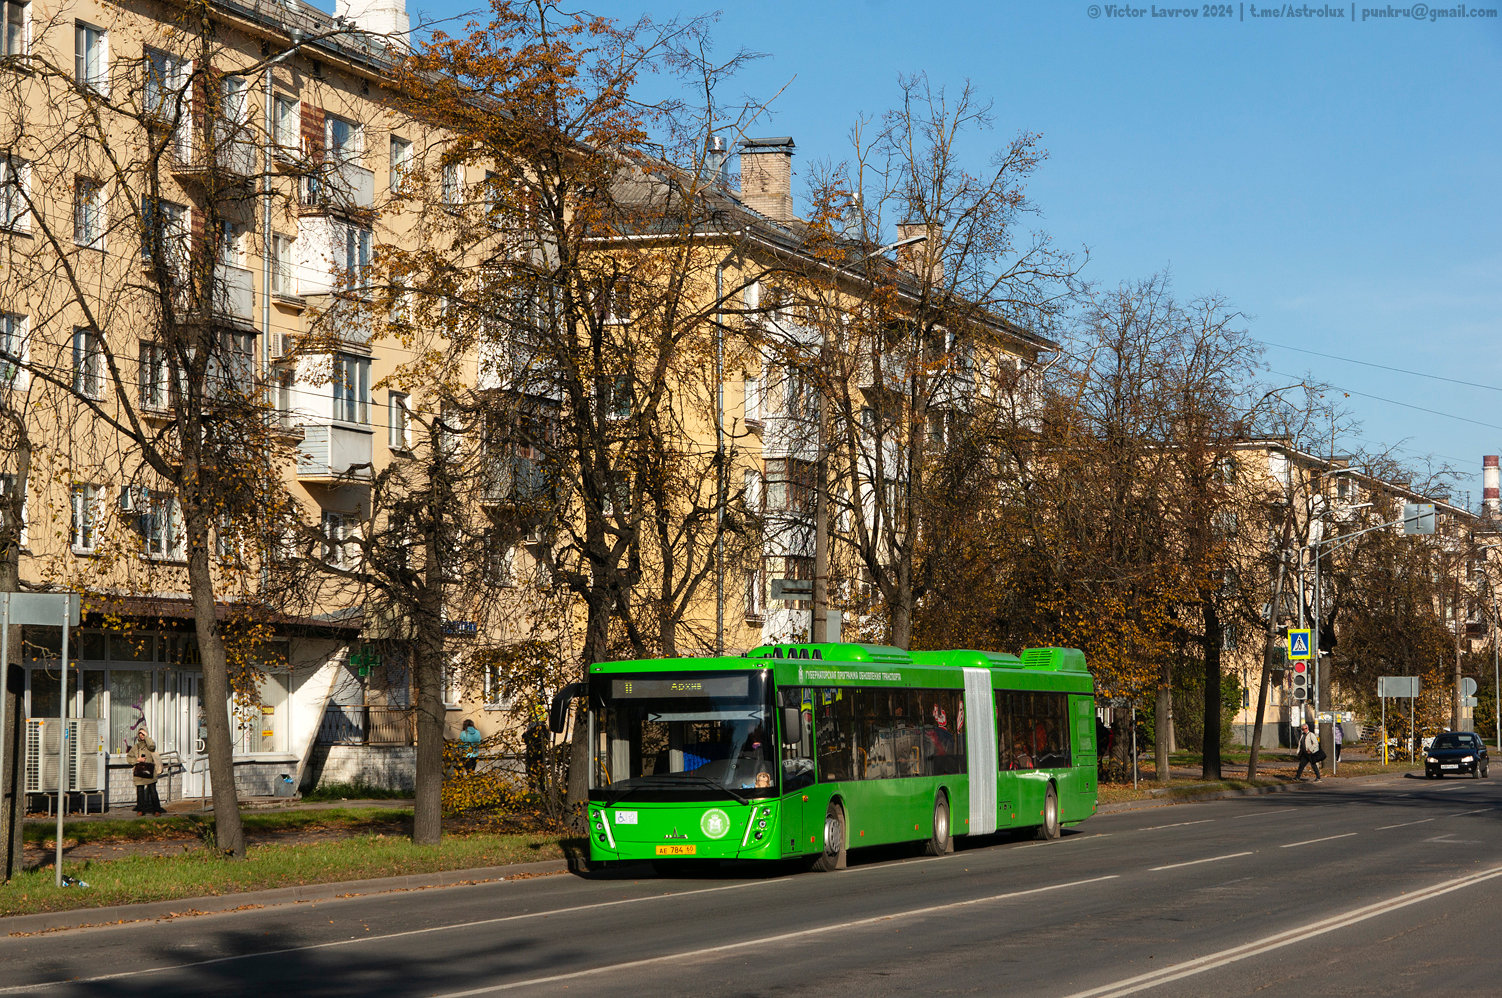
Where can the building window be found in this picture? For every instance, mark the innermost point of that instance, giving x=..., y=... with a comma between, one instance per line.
x=338, y=540
x=153, y=374
x=15, y=188
x=164, y=234
x=500, y=560
x=83, y=529
x=10, y=488
x=352, y=252
x=790, y=485
x=159, y=522
x=494, y=687
x=88, y=364
x=88, y=213
x=91, y=57
x=401, y=163
x=13, y=349
x=453, y=184
x=756, y=606
x=342, y=139
x=165, y=81
x=399, y=423
x=286, y=125
x=352, y=388
x=281, y=266
x=231, y=365
x=14, y=27
x=231, y=244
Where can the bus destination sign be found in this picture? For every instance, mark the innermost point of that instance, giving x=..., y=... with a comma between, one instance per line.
x=707, y=686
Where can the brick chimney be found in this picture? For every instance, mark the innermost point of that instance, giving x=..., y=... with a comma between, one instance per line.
x=924, y=259
x=767, y=176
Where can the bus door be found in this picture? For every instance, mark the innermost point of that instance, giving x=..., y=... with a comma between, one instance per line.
x=797, y=722
x=1007, y=760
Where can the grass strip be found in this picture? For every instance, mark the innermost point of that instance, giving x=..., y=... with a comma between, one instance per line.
x=191, y=826
x=198, y=872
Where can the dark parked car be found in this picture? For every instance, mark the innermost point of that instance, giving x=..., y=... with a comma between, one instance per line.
x=1455, y=752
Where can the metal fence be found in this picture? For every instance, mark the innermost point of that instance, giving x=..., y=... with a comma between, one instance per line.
x=367, y=724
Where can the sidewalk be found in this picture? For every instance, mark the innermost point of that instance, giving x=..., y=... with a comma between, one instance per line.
x=80, y=918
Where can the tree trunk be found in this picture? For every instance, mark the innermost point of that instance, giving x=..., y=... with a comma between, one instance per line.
x=12, y=816
x=427, y=804
x=1269, y=647
x=1210, y=759
x=1161, y=737
x=229, y=833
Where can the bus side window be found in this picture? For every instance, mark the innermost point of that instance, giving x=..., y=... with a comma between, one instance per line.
x=834, y=726
x=798, y=757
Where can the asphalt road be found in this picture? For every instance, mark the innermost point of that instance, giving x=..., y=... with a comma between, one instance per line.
x=1341, y=888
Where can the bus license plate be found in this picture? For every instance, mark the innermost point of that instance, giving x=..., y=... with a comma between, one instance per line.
x=675, y=850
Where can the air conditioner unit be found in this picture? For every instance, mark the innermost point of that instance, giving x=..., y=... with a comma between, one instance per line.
x=283, y=345
x=85, y=757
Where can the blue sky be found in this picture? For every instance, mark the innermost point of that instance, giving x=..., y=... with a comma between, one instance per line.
x=1338, y=180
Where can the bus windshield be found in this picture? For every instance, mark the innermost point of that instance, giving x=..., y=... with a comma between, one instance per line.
x=684, y=737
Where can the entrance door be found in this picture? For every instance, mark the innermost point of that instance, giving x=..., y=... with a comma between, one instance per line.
x=192, y=736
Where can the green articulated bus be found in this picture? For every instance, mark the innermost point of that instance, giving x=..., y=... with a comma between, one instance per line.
x=805, y=751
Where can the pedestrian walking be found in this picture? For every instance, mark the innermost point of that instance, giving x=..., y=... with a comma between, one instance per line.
x=147, y=769
x=1338, y=739
x=1310, y=754
x=469, y=740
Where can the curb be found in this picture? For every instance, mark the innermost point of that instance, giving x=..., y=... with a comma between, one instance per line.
x=1277, y=788
x=87, y=918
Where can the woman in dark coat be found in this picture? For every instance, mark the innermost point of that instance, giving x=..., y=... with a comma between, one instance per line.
x=144, y=760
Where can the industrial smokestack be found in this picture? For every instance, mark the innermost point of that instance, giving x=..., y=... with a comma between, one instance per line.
x=1491, y=500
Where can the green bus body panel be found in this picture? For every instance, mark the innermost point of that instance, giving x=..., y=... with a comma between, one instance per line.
x=877, y=812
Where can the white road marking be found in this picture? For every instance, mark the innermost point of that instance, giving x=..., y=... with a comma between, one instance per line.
x=1178, y=824
x=1196, y=862
x=1263, y=814
x=1310, y=842
x=771, y=940
x=1381, y=828
x=1211, y=961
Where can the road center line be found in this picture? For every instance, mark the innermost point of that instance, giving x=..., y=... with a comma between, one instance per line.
x=1196, y=862
x=1310, y=842
x=1263, y=814
x=1405, y=824
x=771, y=940
x=1178, y=824
x=1189, y=968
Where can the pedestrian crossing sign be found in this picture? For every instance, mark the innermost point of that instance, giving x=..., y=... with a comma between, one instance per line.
x=1299, y=644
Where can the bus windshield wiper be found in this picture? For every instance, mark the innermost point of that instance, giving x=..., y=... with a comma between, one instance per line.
x=702, y=780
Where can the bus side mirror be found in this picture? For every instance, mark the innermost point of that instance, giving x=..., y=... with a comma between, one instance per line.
x=558, y=715
x=792, y=725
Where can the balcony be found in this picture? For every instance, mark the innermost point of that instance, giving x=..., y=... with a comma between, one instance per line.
x=337, y=187
x=234, y=294
x=229, y=161
x=333, y=452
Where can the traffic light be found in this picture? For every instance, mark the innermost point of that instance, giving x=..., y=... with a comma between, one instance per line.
x=1300, y=679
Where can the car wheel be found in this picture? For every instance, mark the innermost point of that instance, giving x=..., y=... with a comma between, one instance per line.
x=939, y=843
x=833, y=856
x=1050, y=827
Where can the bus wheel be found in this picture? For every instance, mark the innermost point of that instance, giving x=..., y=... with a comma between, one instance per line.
x=1050, y=827
x=833, y=856
x=939, y=843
